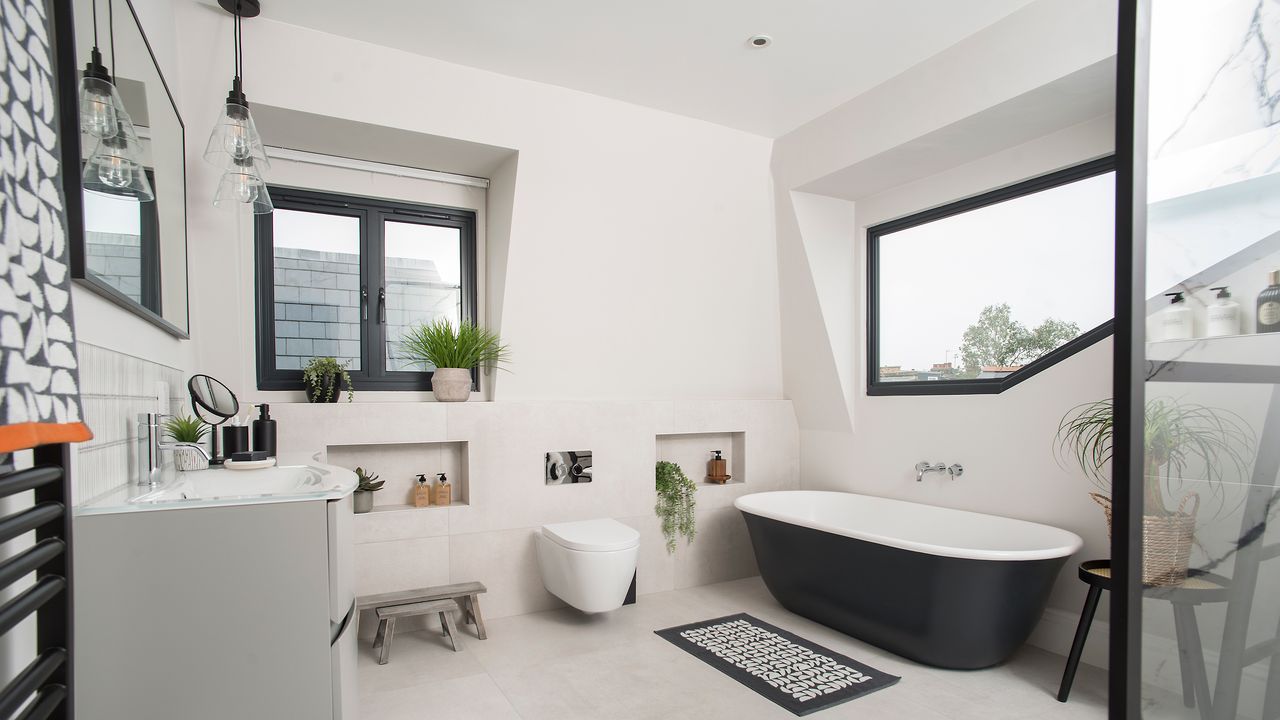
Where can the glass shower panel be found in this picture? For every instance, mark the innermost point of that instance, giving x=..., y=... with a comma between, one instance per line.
x=1211, y=543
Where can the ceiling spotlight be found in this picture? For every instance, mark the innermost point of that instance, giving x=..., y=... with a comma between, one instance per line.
x=759, y=41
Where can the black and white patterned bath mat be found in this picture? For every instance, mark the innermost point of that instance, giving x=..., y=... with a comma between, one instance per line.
x=798, y=675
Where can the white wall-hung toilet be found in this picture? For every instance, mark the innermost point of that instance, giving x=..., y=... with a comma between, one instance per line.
x=589, y=564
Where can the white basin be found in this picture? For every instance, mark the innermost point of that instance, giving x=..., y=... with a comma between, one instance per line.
x=222, y=484
x=219, y=486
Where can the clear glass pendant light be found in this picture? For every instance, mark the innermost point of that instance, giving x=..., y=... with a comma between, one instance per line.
x=115, y=168
x=241, y=184
x=100, y=104
x=236, y=145
x=235, y=138
x=115, y=165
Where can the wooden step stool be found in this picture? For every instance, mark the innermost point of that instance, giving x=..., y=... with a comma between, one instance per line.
x=442, y=599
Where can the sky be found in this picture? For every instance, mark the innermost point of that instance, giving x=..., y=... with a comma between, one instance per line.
x=340, y=234
x=1048, y=255
x=111, y=214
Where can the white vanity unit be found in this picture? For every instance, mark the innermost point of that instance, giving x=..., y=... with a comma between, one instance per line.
x=219, y=594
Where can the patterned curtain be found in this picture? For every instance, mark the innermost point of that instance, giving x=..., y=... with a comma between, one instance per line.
x=39, y=385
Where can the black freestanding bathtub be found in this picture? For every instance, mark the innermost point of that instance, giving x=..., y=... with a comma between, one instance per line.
x=943, y=587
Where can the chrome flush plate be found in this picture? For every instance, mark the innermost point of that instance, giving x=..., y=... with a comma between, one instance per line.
x=568, y=467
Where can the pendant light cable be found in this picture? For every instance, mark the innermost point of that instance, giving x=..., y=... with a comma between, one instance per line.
x=95, y=23
x=111, y=31
x=238, y=58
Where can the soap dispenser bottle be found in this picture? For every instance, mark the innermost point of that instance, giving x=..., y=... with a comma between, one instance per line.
x=1223, y=315
x=422, y=492
x=264, y=431
x=444, y=490
x=717, y=468
x=1175, y=320
x=1269, y=304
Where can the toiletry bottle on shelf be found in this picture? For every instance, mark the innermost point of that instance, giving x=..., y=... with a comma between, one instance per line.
x=444, y=490
x=264, y=431
x=1269, y=304
x=717, y=468
x=1223, y=315
x=422, y=492
x=1175, y=320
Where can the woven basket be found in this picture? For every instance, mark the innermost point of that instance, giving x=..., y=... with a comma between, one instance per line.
x=1166, y=540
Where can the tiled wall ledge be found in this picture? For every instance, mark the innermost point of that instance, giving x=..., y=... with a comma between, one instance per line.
x=491, y=538
x=114, y=389
x=692, y=452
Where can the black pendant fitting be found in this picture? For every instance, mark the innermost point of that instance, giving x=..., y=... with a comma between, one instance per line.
x=94, y=68
x=236, y=95
x=243, y=8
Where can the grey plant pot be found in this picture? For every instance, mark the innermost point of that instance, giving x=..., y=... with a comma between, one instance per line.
x=451, y=384
x=363, y=501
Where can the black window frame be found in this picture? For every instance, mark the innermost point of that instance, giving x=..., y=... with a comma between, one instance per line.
x=986, y=386
x=372, y=213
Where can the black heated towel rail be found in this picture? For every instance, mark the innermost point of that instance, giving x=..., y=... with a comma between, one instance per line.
x=43, y=688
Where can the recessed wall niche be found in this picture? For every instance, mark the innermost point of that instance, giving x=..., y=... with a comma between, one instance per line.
x=691, y=451
x=399, y=464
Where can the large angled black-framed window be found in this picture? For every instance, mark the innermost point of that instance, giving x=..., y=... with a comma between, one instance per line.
x=975, y=296
x=344, y=276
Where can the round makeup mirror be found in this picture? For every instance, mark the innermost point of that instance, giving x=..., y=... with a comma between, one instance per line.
x=210, y=397
x=214, y=403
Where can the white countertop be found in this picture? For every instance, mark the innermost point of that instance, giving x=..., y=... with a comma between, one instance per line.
x=220, y=487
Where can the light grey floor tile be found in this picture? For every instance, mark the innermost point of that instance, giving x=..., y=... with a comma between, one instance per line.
x=473, y=697
x=562, y=665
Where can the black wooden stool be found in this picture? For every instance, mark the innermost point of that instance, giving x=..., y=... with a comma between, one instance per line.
x=1199, y=587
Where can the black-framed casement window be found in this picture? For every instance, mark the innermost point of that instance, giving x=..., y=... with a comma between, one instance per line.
x=122, y=245
x=344, y=277
x=980, y=294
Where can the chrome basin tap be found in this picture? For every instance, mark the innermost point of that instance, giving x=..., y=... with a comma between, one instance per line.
x=150, y=446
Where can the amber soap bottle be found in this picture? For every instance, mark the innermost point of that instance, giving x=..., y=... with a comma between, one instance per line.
x=422, y=492
x=443, y=490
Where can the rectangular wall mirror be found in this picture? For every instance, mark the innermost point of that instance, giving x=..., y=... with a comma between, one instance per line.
x=126, y=205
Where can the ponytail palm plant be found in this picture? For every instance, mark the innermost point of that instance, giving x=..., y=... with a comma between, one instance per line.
x=441, y=344
x=1177, y=437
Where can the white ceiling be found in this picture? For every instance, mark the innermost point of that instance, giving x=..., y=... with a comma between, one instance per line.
x=685, y=56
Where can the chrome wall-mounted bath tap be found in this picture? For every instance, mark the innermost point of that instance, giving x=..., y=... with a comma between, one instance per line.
x=922, y=467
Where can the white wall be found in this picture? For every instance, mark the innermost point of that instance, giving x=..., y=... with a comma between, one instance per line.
x=641, y=261
x=490, y=535
x=1004, y=441
x=983, y=89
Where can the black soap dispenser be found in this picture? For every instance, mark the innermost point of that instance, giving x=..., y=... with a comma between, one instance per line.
x=264, y=431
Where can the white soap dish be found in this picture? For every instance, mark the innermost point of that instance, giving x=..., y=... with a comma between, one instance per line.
x=249, y=464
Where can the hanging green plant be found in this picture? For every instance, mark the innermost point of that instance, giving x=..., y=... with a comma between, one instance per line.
x=677, y=496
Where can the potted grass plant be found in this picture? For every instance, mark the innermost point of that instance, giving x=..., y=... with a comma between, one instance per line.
x=369, y=484
x=324, y=378
x=677, y=497
x=1180, y=439
x=452, y=351
x=187, y=432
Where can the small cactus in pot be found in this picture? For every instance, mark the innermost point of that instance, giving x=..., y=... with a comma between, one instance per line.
x=369, y=484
